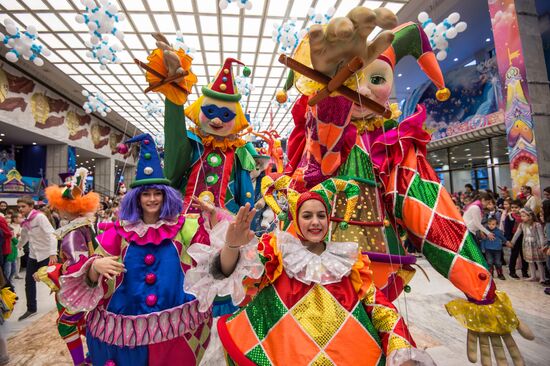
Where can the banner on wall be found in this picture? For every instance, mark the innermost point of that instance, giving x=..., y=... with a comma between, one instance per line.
x=517, y=110
x=475, y=91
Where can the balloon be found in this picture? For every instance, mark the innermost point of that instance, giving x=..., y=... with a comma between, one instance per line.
x=453, y=18
x=423, y=16
x=461, y=27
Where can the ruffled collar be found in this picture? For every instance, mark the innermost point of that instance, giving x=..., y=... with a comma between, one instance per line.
x=229, y=142
x=73, y=225
x=141, y=233
x=330, y=267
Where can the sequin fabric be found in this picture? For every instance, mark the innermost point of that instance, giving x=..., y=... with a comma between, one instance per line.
x=319, y=314
x=320, y=326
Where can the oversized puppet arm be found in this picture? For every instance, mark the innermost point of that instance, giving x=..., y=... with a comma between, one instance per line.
x=177, y=147
x=418, y=202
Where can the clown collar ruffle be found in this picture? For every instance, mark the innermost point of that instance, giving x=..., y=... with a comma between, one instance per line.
x=73, y=225
x=230, y=142
x=141, y=233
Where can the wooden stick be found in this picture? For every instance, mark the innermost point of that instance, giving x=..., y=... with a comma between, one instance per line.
x=352, y=95
x=351, y=68
x=164, y=81
x=159, y=75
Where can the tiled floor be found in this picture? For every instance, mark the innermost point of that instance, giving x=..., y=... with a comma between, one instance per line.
x=431, y=326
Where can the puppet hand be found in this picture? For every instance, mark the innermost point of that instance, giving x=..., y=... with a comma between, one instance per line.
x=171, y=59
x=346, y=37
x=487, y=341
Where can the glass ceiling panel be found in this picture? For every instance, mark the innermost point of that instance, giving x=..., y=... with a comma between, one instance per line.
x=235, y=34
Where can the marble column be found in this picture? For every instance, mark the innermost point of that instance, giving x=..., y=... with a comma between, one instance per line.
x=537, y=81
x=104, y=177
x=56, y=162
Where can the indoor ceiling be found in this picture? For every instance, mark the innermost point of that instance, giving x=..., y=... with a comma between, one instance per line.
x=214, y=33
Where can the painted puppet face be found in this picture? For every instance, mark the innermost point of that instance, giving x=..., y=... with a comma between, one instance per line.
x=313, y=221
x=151, y=201
x=217, y=117
x=376, y=84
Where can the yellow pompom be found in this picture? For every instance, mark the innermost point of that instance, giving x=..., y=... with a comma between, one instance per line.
x=443, y=94
x=281, y=96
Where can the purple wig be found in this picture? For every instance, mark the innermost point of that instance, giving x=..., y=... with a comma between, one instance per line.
x=130, y=207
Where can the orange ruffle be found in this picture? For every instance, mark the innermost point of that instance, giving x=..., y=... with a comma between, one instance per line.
x=77, y=206
x=174, y=94
x=361, y=275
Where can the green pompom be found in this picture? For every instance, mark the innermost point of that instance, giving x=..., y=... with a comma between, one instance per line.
x=247, y=71
x=344, y=225
x=407, y=288
x=282, y=216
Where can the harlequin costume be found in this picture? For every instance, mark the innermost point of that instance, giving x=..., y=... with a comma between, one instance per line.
x=143, y=316
x=211, y=167
x=401, y=193
x=77, y=244
x=305, y=308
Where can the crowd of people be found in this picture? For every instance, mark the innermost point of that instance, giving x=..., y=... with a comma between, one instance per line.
x=522, y=225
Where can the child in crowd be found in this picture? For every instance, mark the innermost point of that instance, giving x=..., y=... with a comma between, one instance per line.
x=511, y=224
x=533, y=243
x=15, y=226
x=493, y=248
x=505, y=211
x=490, y=209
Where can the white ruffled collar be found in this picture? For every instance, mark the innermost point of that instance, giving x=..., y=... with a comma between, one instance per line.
x=329, y=267
x=140, y=227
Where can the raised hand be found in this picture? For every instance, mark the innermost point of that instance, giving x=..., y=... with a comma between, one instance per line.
x=496, y=342
x=346, y=37
x=239, y=233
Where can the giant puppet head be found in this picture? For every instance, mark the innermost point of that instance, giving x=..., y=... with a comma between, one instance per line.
x=218, y=112
x=324, y=49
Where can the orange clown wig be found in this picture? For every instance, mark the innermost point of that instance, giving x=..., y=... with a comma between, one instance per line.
x=70, y=198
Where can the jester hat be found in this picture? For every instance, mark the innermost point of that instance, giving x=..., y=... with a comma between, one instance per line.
x=324, y=192
x=71, y=197
x=223, y=88
x=410, y=39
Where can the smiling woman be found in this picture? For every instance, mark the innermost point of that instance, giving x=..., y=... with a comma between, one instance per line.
x=137, y=274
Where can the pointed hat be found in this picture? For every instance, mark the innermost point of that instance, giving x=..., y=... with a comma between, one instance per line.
x=149, y=170
x=223, y=87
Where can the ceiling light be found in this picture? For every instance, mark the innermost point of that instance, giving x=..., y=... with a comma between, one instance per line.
x=0, y=140
x=77, y=155
x=34, y=143
x=93, y=159
x=86, y=161
x=468, y=154
x=399, y=75
x=2, y=134
x=467, y=149
x=455, y=59
x=408, y=88
x=488, y=40
x=469, y=159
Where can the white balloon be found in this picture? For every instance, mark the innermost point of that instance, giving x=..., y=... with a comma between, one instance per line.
x=12, y=29
x=441, y=55
x=12, y=56
x=38, y=61
x=451, y=33
x=423, y=16
x=461, y=27
x=453, y=18
x=223, y=4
